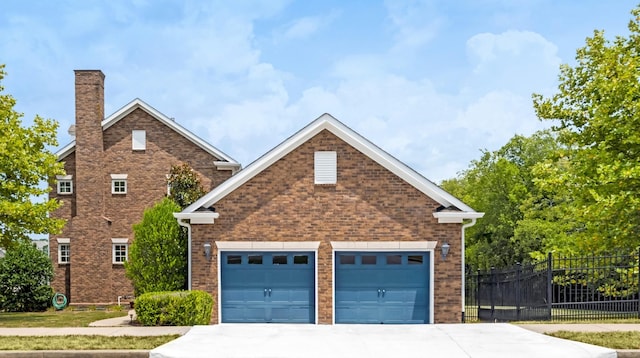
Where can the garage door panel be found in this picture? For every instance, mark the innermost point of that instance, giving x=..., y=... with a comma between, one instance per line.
x=382, y=287
x=268, y=287
x=237, y=295
x=294, y=296
x=357, y=314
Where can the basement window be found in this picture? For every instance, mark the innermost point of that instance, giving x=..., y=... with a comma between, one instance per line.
x=138, y=140
x=325, y=167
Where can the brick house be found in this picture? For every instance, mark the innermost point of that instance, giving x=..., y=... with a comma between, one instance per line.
x=328, y=228
x=115, y=168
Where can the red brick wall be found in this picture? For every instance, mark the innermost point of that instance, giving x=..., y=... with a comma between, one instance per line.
x=94, y=215
x=368, y=203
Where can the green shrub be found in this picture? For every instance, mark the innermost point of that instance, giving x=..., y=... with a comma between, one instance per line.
x=158, y=255
x=25, y=273
x=178, y=308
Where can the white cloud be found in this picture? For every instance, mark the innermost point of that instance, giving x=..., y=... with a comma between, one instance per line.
x=415, y=23
x=523, y=61
x=305, y=27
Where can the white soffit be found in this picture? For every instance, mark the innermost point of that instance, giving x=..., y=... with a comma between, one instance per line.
x=328, y=122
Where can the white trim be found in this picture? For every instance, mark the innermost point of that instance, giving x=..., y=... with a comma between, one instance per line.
x=138, y=103
x=113, y=251
x=198, y=218
x=329, y=123
x=113, y=186
x=268, y=245
x=65, y=181
x=455, y=217
x=233, y=166
x=119, y=176
x=262, y=246
x=385, y=246
x=119, y=241
x=63, y=240
x=64, y=177
x=61, y=243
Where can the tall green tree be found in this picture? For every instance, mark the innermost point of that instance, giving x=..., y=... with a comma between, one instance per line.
x=596, y=113
x=158, y=255
x=498, y=184
x=25, y=273
x=185, y=186
x=25, y=162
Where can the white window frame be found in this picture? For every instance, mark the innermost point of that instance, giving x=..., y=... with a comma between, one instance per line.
x=114, y=250
x=118, y=178
x=138, y=140
x=66, y=179
x=64, y=242
x=325, y=167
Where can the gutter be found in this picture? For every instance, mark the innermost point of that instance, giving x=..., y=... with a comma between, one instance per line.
x=183, y=223
x=193, y=218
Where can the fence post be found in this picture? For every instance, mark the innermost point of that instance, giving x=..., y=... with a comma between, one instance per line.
x=491, y=296
x=518, y=269
x=478, y=293
x=638, y=282
x=549, y=285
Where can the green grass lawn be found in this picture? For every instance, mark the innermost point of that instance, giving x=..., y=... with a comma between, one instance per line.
x=614, y=340
x=38, y=343
x=64, y=318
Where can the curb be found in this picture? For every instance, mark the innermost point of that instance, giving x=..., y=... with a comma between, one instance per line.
x=76, y=354
x=628, y=353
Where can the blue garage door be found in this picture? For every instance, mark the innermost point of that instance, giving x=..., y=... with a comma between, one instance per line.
x=382, y=287
x=268, y=287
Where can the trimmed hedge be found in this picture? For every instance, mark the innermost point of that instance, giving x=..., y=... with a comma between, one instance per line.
x=175, y=308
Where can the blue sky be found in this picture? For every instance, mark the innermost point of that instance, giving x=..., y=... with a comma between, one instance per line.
x=431, y=82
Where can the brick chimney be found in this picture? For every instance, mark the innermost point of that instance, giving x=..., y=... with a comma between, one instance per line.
x=90, y=244
x=89, y=144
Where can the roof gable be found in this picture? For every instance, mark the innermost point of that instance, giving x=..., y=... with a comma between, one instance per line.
x=140, y=104
x=331, y=124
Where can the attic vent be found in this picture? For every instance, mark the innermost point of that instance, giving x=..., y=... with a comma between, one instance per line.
x=138, y=140
x=325, y=167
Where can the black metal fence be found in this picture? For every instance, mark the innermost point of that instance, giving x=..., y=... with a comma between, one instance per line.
x=559, y=288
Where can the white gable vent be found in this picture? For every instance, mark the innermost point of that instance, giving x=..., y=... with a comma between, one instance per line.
x=138, y=140
x=325, y=167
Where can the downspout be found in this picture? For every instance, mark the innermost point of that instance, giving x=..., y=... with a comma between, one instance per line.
x=183, y=223
x=464, y=281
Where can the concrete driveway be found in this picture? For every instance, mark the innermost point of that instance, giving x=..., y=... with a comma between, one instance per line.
x=372, y=341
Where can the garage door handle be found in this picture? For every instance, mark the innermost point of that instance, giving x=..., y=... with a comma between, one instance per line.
x=383, y=292
x=269, y=292
x=379, y=292
x=265, y=292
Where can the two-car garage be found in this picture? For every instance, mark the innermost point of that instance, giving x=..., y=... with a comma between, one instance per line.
x=370, y=287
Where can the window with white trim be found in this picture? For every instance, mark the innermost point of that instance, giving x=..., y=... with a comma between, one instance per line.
x=64, y=251
x=138, y=140
x=65, y=184
x=118, y=183
x=325, y=167
x=120, y=248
